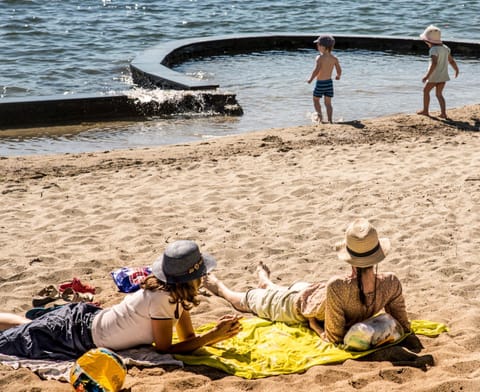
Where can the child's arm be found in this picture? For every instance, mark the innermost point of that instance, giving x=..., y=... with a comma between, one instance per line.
x=454, y=65
x=315, y=71
x=431, y=68
x=338, y=69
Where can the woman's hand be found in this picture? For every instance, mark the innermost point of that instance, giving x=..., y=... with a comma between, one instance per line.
x=227, y=327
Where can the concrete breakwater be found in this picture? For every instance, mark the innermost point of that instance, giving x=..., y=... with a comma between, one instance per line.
x=152, y=69
x=76, y=109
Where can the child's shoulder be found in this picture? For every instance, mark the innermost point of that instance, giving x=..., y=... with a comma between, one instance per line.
x=439, y=48
x=330, y=56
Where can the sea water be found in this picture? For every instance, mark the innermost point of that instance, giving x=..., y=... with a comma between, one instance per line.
x=64, y=47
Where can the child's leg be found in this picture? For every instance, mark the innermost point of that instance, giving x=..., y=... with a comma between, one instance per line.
x=328, y=106
x=318, y=107
x=426, y=98
x=441, y=100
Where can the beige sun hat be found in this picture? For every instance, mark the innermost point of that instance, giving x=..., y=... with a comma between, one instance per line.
x=361, y=247
x=432, y=34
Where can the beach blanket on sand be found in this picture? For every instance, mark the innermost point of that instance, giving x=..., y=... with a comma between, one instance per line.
x=60, y=370
x=266, y=348
x=262, y=349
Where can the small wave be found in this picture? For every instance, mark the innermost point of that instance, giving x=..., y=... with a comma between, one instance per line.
x=12, y=91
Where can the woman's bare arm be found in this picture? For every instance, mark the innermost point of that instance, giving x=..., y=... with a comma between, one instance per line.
x=227, y=327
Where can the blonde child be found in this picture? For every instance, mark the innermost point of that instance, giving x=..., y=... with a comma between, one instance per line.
x=324, y=64
x=437, y=73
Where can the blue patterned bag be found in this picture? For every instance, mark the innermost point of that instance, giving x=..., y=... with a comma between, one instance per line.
x=128, y=279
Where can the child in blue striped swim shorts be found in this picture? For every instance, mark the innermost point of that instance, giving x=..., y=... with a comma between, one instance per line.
x=324, y=65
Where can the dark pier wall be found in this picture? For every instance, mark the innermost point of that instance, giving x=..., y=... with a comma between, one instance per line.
x=48, y=111
x=152, y=69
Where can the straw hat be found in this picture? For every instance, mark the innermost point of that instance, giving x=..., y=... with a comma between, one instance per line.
x=182, y=262
x=362, y=248
x=432, y=34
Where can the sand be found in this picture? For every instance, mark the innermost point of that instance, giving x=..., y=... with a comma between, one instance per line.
x=281, y=196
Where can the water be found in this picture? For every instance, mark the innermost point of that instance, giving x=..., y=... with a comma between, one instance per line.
x=372, y=84
x=66, y=47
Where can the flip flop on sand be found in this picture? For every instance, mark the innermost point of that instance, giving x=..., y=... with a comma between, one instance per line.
x=77, y=286
x=70, y=295
x=46, y=295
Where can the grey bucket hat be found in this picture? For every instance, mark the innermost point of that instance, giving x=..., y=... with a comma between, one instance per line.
x=182, y=262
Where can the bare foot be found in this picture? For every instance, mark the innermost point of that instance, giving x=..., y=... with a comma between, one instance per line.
x=444, y=116
x=263, y=273
x=217, y=287
x=423, y=113
x=210, y=282
x=317, y=118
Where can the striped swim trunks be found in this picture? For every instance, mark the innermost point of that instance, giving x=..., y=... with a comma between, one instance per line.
x=323, y=87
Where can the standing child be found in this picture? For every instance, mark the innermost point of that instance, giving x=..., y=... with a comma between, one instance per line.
x=324, y=64
x=437, y=73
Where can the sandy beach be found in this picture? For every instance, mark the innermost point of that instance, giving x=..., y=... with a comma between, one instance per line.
x=281, y=196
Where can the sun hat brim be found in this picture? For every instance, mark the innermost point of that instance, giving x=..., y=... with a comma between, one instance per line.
x=365, y=261
x=209, y=263
x=432, y=41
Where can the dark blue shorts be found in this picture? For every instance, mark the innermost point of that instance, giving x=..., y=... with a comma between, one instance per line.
x=63, y=333
x=323, y=87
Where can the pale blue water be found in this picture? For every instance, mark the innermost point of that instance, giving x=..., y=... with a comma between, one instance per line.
x=64, y=47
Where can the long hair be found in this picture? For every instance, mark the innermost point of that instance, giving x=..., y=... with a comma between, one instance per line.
x=185, y=294
x=361, y=292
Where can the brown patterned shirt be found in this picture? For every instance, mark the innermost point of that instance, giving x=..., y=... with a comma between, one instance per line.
x=338, y=305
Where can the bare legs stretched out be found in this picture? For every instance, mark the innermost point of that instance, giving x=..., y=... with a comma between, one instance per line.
x=217, y=287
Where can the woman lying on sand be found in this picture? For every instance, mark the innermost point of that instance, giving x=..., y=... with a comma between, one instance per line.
x=333, y=308
x=144, y=317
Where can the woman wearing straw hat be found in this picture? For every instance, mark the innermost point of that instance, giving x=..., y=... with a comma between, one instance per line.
x=142, y=318
x=330, y=309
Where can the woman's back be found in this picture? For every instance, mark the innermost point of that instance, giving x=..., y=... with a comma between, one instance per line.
x=343, y=306
x=128, y=323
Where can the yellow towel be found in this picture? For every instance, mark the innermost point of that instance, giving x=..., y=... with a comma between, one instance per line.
x=266, y=348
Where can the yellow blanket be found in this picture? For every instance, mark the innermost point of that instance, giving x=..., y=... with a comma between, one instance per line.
x=266, y=348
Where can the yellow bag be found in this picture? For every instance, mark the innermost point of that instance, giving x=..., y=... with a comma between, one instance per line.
x=98, y=370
